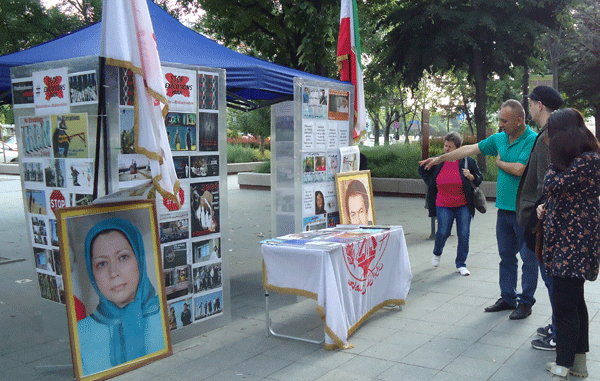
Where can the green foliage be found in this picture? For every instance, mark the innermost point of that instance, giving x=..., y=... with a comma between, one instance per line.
x=6, y=114
x=264, y=167
x=237, y=153
x=396, y=161
x=297, y=34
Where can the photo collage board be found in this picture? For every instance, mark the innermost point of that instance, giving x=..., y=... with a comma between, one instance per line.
x=56, y=159
x=190, y=237
x=325, y=130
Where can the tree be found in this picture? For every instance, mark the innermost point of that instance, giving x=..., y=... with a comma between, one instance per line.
x=580, y=58
x=297, y=34
x=256, y=122
x=480, y=37
x=25, y=23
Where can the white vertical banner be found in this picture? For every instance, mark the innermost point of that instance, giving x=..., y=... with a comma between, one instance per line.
x=128, y=41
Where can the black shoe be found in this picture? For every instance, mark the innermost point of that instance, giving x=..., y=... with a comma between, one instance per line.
x=522, y=311
x=545, y=331
x=545, y=344
x=500, y=305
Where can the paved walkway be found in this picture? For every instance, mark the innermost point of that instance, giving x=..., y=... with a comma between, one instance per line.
x=441, y=333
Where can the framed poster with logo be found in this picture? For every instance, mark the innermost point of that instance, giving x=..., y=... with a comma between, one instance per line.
x=113, y=279
x=355, y=198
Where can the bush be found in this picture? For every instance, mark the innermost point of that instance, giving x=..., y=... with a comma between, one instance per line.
x=401, y=161
x=241, y=153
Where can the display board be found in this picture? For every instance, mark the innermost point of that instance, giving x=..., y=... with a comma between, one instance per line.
x=56, y=114
x=307, y=135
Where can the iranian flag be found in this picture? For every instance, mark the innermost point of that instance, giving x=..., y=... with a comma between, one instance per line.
x=128, y=41
x=348, y=60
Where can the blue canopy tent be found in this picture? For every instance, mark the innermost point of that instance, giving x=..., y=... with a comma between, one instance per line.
x=248, y=78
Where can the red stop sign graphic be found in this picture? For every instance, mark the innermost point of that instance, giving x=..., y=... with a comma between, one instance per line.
x=173, y=206
x=57, y=200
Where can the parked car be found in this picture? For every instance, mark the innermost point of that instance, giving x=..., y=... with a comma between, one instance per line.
x=10, y=155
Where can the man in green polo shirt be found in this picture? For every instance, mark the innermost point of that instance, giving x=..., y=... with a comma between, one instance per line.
x=511, y=147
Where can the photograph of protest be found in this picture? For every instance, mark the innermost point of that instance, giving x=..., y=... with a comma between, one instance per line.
x=208, y=305
x=81, y=173
x=208, y=127
x=126, y=131
x=174, y=230
x=55, y=173
x=53, y=232
x=204, y=204
x=48, y=287
x=207, y=250
x=133, y=170
x=207, y=277
x=181, y=131
x=178, y=281
x=180, y=313
x=204, y=166
x=43, y=259
x=83, y=88
x=113, y=274
x=38, y=227
x=182, y=166
x=33, y=171
x=78, y=199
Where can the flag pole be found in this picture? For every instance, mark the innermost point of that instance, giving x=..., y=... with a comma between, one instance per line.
x=101, y=130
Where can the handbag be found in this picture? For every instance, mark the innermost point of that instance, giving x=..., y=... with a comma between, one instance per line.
x=478, y=197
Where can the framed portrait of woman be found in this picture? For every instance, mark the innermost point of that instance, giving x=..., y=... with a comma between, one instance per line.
x=355, y=198
x=116, y=304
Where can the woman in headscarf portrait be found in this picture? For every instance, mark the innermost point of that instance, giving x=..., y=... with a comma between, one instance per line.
x=127, y=323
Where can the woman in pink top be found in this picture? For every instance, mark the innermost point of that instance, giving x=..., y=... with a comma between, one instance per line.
x=450, y=197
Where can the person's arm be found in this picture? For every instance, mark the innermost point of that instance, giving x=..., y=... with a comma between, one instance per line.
x=458, y=153
x=515, y=169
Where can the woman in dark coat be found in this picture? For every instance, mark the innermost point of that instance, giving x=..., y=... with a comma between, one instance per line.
x=571, y=220
x=449, y=198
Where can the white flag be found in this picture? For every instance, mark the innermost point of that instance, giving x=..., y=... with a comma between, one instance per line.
x=128, y=41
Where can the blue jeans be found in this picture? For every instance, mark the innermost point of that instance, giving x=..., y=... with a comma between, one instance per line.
x=510, y=241
x=548, y=282
x=446, y=217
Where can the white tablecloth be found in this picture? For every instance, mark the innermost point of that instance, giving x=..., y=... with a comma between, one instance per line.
x=349, y=282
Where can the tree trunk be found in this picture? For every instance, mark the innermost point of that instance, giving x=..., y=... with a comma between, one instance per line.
x=597, y=120
x=525, y=89
x=376, y=130
x=480, y=101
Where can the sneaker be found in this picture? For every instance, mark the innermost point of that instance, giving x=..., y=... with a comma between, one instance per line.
x=548, y=343
x=545, y=331
x=435, y=260
x=463, y=271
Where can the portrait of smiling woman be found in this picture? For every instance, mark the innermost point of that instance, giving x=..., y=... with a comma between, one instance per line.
x=112, y=256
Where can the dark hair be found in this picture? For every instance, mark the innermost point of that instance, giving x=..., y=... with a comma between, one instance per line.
x=453, y=137
x=569, y=137
x=356, y=187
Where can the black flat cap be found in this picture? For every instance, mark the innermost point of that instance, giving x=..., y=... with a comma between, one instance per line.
x=548, y=96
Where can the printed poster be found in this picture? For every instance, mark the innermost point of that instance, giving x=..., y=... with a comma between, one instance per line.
x=51, y=91
x=22, y=92
x=35, y=136
x=208, y=91
x=208, y=127
x=70, y=135
x=204, y=198
x=83, y=87
x=181, y=131
x=339, y=105
x=180, y=87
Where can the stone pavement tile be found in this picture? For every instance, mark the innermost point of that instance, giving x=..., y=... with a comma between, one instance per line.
x=327, y=359
x=476, y=368
x=373, y=332
x=469, y=300
x=594, y=353
x=230, y=375
x=298, y=372
x=9, y=363
x=449, y=313
x=367, y=366
x=447, y=376
x=490, y=353
x=386, y=318
x=135, y=375
x=389, y=351
x=198, y=369
x=407, y=372
x=437, y=353
x=292, y=350
x=248, y=326
x=409, y=311
x=260, y=365
x=194, y=349
x=222, y=336
x=504, y=339
x=524, y=367
x=523, y=327
x=39, y=351
x=29, y=372
x=341, y=374
x=402, y=338
x=360, y=345
x=481, y=319
x=464, y=333
x=484, y=289
x=424, y=327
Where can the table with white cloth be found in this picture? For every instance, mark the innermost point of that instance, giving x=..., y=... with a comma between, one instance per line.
x=351, y=272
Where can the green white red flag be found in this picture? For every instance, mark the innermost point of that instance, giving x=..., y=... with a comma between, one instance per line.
x=349, y=62
x=128, y=41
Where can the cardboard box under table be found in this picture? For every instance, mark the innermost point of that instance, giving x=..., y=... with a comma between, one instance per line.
x=350, y=271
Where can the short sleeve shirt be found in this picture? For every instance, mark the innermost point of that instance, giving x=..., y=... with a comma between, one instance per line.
x=517, y=152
